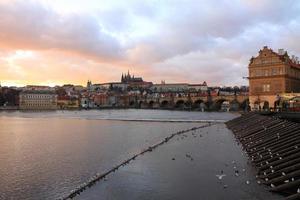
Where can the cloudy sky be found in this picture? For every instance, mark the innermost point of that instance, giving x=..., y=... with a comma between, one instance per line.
x=69, y=41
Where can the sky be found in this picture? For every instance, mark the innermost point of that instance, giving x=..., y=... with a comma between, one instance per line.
x=55, y=42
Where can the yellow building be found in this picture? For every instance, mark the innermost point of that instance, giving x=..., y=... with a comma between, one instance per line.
x=38, y=100
x=272, y=74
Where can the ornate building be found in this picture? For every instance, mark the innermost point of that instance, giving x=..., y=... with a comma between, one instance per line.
x=38, y=100
x=272, y=74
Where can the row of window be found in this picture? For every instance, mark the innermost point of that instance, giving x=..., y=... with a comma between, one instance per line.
x=294, y=73
x=277, y=87
x=38, y=100
x=38, y=96
x=267, y=72
x=37, y=104
x=266, y=61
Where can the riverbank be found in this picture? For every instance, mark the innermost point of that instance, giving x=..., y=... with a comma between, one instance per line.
x=273, y=145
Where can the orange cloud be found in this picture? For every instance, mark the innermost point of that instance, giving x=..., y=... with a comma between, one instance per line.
x=40, y=45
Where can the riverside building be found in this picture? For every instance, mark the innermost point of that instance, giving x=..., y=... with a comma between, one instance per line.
x=38, y=100
x=272, y=75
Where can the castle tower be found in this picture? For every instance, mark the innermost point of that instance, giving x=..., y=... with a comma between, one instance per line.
x=89, y=85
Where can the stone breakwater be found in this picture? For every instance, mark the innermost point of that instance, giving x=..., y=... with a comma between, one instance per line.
x=273, y=146
x=98, y=177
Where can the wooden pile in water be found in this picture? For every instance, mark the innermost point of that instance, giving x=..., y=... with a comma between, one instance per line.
x=273, y=146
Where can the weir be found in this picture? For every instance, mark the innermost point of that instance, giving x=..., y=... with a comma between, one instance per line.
x=273, y=146
x=99, y=177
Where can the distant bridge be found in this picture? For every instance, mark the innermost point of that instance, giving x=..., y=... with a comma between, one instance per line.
x=236, y=102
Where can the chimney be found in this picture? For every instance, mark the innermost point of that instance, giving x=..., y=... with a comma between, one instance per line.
x=281, y=52
x=293, y=58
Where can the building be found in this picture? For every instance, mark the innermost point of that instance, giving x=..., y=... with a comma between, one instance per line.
x=101, y=99
x=135, y=82
x=170, y=87
x=84, y=101
x=67, y=102
x=198, y=87
x=38, y=100
x=9, y=97
x=118, y=86
x=127, y=78
x=38, y=87
x=272, y=74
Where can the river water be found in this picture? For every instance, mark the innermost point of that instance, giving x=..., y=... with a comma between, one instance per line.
x=44, y=155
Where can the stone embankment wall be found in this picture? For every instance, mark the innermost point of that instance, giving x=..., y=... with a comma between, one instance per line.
x=273, y=146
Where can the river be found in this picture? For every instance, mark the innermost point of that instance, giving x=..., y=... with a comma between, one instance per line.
x=44, y=155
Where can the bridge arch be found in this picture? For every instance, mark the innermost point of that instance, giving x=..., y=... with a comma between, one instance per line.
x=151, y=104
x=256, y=106
x=142, y=104
x=180, y=104
x=131, y=103
x=218, y=103
x=164, y=104
x=199, y=104
x=266, y=105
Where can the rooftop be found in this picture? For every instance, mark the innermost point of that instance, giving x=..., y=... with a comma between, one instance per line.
x=38, y=92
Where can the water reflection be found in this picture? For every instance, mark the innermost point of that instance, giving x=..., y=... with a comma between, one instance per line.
x=45, y=155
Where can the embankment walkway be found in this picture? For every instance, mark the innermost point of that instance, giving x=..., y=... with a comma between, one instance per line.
x=273, y=146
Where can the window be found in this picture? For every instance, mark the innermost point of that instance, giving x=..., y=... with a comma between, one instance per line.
x=257, y=72
x=274, y=71
x=266, y=72
x=266, y=87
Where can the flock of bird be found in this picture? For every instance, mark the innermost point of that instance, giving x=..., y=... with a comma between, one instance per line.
x=181, y=135
x=236, y=173
x=98, y=177
x=272, y=146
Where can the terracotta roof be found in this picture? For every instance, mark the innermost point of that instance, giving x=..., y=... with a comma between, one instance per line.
x=38, y=92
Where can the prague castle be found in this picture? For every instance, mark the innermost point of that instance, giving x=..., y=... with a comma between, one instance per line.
x=127, y=78
x=272, y=74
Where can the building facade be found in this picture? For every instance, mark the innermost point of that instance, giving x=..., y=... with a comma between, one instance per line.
x=170, y=87
x=198, y=87
x=38, y=100
x=67, y=102
x=272, y=74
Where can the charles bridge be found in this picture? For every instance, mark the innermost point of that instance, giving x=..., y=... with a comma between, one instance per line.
x=236, y=102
